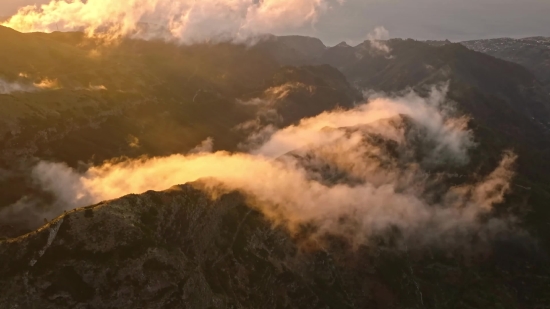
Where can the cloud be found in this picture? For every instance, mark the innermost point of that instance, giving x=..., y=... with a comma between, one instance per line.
x=96, y=87
x=47, y=84
x=353, y=173
x=7, y=87
x=11, y=87
x=132, y=141
x=187, y=21
x=267, y=116
x=448, y=132
x=91, y=87
x=205, y=146
x=377, y=38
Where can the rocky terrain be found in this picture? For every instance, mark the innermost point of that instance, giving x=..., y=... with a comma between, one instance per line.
x=175, y=249
x=181, y=249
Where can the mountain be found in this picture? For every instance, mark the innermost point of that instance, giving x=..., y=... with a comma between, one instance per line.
x=508, y=104
x=397, y=64
x=510, y=91
x=292, y=49
x=502, y=97
x=339, y=56
x=307, y=46
x=128, y=100
x=437, y=43
x=71, y=99
x=180, y=248
x=533, y=53
x=170, y=249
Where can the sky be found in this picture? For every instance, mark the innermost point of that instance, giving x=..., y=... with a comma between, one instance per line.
x=456, y=20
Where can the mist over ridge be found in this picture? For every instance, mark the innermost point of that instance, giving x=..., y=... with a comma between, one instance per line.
x=389, y=188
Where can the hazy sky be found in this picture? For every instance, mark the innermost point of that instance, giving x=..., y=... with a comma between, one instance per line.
x=420, y=19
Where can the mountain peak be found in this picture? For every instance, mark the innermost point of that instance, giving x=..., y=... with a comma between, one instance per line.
x=342, y=44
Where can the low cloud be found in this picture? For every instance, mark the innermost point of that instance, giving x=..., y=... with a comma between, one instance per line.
x=96, y=87
x=7, y=87
x=205, y=146
x=11, y=87
x=47, y=84
x=354, y=173
x=92, y=87
x=377, y=38
x=443, y=126
x=133, y=141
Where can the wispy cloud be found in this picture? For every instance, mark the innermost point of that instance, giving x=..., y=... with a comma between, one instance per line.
x=377, y=38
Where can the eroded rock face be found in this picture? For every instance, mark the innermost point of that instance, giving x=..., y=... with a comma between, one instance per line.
x=174, y=249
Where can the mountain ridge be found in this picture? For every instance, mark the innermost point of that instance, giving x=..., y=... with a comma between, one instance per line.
x=180, y=248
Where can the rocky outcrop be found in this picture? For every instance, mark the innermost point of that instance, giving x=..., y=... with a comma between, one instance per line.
x=173, y=249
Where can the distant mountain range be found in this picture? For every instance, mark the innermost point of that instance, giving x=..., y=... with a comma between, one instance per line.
x=508, y=90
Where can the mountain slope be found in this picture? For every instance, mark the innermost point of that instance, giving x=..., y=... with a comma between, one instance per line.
x=397, y=64
x=292, y=49
x=161, y=250
x=508, y=105
x=179, y=248
x=137, y=98
x=532, y=53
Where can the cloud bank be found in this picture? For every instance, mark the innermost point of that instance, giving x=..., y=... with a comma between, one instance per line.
x=354, y=173
x=186, y=21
